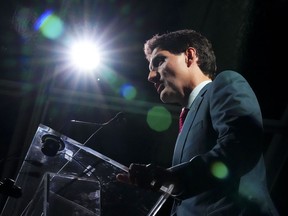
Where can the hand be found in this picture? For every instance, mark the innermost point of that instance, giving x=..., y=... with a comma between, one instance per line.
x=140, y=175
x=147, y=176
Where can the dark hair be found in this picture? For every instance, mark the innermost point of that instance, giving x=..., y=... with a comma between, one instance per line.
x=179, y=41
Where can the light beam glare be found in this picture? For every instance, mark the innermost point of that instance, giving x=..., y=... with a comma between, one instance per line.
x=85, y=55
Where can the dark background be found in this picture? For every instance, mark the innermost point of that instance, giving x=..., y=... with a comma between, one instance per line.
x=249, y=36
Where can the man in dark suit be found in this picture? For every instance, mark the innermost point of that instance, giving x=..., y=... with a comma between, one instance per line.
x=218, y=166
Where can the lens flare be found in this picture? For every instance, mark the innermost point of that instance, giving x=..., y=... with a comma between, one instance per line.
x=159, y=118
x=219, y=170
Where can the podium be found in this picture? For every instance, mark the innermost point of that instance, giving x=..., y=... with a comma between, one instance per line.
x=76, y=180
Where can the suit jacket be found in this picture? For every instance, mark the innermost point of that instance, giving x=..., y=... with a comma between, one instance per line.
x=218, y=155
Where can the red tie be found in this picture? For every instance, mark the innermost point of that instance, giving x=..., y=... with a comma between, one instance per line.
x=183, y=115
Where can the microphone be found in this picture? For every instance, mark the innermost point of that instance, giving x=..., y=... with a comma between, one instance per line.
x=119, y=117
x=52, y=144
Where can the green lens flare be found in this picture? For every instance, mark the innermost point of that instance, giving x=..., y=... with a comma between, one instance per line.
x=159, y=118
x=219, y=170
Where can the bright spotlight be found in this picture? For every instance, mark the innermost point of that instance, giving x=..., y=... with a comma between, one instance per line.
x=85, y=55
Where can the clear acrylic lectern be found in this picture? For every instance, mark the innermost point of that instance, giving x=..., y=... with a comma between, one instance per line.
x=76, y=180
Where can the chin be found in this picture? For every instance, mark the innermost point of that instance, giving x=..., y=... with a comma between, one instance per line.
x=165, y=99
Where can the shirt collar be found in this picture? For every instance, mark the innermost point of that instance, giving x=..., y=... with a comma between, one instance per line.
x=196, y=91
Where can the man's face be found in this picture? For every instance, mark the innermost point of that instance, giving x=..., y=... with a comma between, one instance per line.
x=170, y=75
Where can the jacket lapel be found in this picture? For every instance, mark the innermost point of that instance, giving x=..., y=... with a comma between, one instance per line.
x=182, y=137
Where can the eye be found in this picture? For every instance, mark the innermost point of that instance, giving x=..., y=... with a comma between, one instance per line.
x=158, y=61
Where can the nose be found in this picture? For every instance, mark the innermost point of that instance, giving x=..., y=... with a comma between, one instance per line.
x=153, y=76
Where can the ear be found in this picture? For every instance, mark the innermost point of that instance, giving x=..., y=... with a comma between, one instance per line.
x=191, y=55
